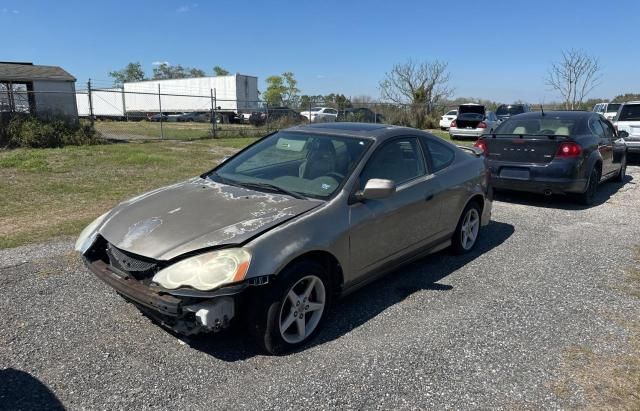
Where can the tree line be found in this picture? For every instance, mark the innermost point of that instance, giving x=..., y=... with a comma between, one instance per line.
x=163, y=71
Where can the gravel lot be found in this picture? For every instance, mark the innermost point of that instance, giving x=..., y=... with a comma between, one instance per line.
x=485, y=330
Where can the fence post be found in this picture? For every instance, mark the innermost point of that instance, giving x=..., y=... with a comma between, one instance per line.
x=309, y=111
x=213, y=114
x=267, y=118
x=90, y=101
x=160, y=106
x=124, y=105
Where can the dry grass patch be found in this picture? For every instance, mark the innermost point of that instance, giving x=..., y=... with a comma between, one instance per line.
x=55, y=192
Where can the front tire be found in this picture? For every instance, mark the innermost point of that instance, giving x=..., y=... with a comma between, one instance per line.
x=468, y=229
x=290, y=313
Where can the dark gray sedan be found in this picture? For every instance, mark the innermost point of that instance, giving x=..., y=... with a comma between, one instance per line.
x=274, y=233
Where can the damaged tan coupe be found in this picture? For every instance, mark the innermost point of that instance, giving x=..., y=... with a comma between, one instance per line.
x=272, y=235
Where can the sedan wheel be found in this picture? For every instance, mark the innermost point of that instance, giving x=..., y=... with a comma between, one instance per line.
x=468, y=230
x=302, y=309
x=623, y=170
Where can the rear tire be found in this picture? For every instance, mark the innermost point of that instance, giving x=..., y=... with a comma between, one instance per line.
x=468, y=229
x=291, y=311
x=623, y=170
x=587, y=197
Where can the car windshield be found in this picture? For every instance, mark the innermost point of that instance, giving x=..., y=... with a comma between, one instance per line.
x=452, y=113
x=629, y=112
x=509, y=110
x=612, y=108
x=537, y=126
x=294, y=163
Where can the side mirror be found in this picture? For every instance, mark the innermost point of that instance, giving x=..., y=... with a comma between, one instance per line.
x=376, y=189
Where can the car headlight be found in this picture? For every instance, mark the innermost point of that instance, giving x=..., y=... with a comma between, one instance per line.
x=206, y=271
x=88, y=235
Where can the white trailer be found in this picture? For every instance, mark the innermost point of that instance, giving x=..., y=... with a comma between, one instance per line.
x=233, y=95
x=106, y=103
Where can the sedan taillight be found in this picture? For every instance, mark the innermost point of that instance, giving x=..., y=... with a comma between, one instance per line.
x=481, y=144
x=453, y=124
x=482, y=124
x=568, y=149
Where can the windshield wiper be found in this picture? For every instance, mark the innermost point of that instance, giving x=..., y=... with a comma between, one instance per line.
x=271, y=187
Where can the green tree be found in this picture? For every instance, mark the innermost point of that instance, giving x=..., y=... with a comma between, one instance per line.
x=281, y=90
x=219, y=71
x=131, y=72
x=166, y=71
x=623, y=98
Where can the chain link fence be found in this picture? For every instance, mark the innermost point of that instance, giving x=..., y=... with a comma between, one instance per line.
x=118, y=114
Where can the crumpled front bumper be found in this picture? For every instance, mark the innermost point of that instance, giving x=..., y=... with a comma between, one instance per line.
x=190, y=313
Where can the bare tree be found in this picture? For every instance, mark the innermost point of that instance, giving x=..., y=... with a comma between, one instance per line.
x=421, y=85
x=574, y=77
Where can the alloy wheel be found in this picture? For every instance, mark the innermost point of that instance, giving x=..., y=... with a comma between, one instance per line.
x=469, y=229
x=302, y=309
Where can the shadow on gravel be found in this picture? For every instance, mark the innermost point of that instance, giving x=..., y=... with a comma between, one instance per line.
x=363, y=305
x=562, y=202
x=19, y=390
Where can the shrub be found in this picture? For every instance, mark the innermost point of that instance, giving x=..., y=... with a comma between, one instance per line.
x=28, y=131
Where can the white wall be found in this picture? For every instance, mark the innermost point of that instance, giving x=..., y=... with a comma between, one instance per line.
x=55, y=97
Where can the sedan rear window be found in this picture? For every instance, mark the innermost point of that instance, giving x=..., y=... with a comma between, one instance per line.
x=509, y=110
x=612, y=108
x=629, y=112
x=538, y=126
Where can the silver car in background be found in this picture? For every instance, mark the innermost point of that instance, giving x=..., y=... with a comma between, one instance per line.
x=473, y=121
x=277, y=231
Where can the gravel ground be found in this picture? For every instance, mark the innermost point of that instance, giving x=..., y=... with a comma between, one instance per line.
x=484, y=330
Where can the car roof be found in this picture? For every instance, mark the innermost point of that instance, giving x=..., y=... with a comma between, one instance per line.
x=632, y=102
x=575, y=115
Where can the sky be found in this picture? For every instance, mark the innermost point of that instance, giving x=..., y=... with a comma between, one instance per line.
x=497, y=50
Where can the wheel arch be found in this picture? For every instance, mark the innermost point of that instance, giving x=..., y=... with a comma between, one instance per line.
x=328, y=261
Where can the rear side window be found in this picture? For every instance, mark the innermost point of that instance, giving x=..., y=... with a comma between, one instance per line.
x=441, y=155
x=629, y=112
x=596, y=127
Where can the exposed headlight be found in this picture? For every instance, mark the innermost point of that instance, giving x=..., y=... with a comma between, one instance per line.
x=206, y=271
x=88, y=235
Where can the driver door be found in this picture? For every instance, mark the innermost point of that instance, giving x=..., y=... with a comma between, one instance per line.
x=387, y=229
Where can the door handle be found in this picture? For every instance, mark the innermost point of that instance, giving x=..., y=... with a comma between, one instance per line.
x=429, y=197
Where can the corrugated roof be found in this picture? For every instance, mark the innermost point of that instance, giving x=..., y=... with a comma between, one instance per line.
x=30, y=72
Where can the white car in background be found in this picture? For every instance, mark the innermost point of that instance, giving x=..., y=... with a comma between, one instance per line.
x=473, y=121
x=445, y=121
x=627, y=122
x=608, y=110
x=321, y=114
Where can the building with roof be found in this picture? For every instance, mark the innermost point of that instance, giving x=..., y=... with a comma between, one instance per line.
x=42, y=90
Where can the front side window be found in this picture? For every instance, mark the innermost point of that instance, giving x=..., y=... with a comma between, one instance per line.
x=305, y=164
x=596, y=127
x=399, y=160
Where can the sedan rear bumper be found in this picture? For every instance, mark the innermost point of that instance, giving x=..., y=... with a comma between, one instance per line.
x=467, y=132
x=553, y=178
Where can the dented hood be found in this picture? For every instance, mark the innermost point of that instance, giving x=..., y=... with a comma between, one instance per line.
x=196, y=214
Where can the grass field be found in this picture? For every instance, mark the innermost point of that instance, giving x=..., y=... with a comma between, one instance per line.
x=56, y=192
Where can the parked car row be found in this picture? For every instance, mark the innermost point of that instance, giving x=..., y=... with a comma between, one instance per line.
x=315, y=115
